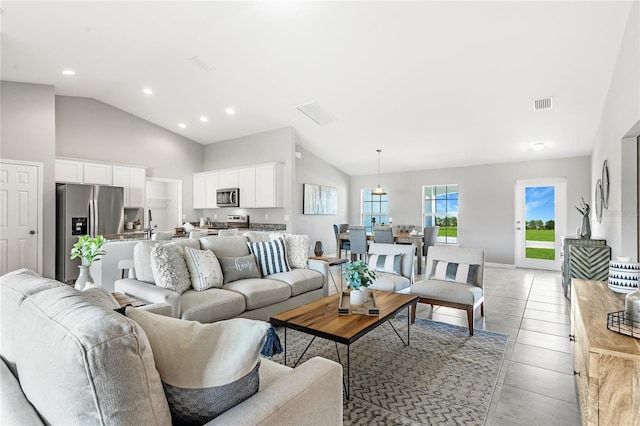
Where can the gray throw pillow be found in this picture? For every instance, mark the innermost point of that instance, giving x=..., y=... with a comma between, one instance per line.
x=239, y=268
x=455, y=272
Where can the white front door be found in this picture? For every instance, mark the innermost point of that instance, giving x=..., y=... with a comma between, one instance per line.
x=541, y=220
x=20, y=221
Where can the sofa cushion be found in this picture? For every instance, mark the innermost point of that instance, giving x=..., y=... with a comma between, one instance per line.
x=227, y=246
x=390, y=282
x=386, y=263
x=259, y=292
x=300, y=280
x=212, y=305
x=169, y=268
x=204, y=269
x=15, y=287
x=142, y=256
x=80, y=363
x=239, y=268
x=455, y=272
x=447, y=291
x=205, y=368
x=256, y=236
x=271, y=256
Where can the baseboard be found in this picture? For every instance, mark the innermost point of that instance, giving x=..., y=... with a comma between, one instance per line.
x=500, y=265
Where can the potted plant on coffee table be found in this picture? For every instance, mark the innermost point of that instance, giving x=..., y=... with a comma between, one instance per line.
x=359, y=277
x=89, y=250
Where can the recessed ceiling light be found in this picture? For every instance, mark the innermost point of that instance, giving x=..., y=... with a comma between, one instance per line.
x=182, y=125
x=147, y=91
x=230, y=111
x=204, y=119
x=68, y=72
x=538, y=146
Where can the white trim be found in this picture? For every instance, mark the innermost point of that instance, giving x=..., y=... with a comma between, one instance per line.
x=500, y=265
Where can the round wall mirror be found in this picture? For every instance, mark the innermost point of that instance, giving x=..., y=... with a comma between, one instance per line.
x=605, y=185
x=598, y=201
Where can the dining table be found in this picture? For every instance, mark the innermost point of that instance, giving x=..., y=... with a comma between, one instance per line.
x=401, y=238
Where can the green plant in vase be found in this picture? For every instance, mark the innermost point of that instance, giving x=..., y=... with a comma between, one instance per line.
x=89, y=250
x=359, y=277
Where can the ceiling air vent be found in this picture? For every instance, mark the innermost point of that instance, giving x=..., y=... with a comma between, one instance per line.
x=544, y=103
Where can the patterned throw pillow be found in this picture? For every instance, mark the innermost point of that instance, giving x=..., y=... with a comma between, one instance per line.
x=169, y=268
x=204, y=269
x=297, y=247
x=455, y=272
x=208, y=369
x=386, y=263
x=271, y=256
x=239, y=268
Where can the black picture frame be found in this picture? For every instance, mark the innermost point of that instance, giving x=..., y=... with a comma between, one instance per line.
x=319, y=199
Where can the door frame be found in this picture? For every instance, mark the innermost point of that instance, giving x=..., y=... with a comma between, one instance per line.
x=560, y=194
x=39, y=205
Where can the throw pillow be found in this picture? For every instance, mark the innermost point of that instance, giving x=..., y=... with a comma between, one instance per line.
x=455, y=272
x=297, y=247
x=271, y=256
x=205, y=368
x=204, y=269
x=169, y=268
x=391, y=263
x=238, y=268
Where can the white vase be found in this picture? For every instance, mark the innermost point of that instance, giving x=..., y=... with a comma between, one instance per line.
x=365, y=294
x=84, y=278
x=356, y=297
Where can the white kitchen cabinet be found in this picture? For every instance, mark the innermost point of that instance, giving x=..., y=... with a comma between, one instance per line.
x=228, y=178
x=210, y=187
x=247, y=185
x=98, y=173
x=199, y=190
x=269, y=185
x=132, y=179
x=69, y=171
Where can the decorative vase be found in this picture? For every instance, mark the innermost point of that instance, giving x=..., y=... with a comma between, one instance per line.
x=84, y=278
x=585, y=230
x=318, y=249
x=365, y=294
x=624, y=275
x=632, y=308
x=356, y=297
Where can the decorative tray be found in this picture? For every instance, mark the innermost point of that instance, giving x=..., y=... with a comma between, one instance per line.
x=618, y=323
x=369, y=308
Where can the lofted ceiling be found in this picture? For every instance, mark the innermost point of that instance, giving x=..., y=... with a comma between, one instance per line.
x=432, y=84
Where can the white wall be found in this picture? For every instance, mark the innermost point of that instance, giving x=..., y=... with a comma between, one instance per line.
x=487, y=202
x=620, y=114
x=28, y=134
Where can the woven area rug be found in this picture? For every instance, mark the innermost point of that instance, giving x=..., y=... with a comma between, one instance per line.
x=444, y=377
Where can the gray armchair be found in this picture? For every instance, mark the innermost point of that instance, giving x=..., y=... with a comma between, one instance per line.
x=455, y=279
x=399, y=280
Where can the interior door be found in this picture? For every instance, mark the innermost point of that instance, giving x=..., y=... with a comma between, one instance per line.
x=541, y=221
x=20, y=221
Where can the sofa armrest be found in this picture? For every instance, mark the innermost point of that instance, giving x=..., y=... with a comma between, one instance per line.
x=15, y=408
x=150, y=293
x=310, y=394
x=323, y=268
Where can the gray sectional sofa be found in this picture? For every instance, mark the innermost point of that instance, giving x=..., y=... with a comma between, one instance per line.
x=69, y=358
x=254, y=298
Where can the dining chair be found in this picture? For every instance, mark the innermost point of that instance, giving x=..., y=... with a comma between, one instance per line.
x=403, y=229
x=344, y=244
x=228, y=232
x=430, y=237
x=194, y=235
x=358, y=240
x=383, y=234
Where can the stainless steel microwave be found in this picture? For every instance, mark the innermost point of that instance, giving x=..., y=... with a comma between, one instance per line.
x=228, y=197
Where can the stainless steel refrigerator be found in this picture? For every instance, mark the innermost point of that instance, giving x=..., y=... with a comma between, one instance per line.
x=84, y=210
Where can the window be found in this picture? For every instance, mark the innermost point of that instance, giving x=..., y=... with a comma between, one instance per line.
x=374, y=207
x=440, y=208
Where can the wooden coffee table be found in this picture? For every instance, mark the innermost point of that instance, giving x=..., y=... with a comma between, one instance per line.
x=321, y=319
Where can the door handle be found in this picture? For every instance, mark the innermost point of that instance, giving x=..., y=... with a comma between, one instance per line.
x=32, y=232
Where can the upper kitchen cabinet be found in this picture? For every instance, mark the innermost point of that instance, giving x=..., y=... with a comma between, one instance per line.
x=69, y=171
x=228, y=178
x=247, y=185
x=132, y=179
x=199, y=190
x=269, y=185
x=211, y=185
x=98, y=173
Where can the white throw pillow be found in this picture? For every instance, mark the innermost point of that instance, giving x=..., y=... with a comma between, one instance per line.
x=204, y=269
x=297, y=250
x=169, y=268
x=271, y=256
x=455, y=272
x=390, y=263
x=205, y=368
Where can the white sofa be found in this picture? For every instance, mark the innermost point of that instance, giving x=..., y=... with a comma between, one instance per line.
x=69, y=358
x=254, y=298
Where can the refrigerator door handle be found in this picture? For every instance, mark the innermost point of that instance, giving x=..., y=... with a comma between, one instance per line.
x=95, y=218
x=92, y=220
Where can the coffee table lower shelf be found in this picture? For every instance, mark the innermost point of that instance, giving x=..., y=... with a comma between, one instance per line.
x=321, y=319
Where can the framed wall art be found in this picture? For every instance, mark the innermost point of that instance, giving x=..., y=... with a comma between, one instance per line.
x=318, y=199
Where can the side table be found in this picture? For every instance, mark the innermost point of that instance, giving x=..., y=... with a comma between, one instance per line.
x=124, y=300
x=332, y=261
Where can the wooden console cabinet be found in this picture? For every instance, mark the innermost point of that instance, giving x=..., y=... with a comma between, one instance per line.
x=606, y=363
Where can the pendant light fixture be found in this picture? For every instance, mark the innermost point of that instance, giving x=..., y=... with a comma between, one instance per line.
x=378, y=190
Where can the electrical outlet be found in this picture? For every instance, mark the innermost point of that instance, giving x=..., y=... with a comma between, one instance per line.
x=215, y=215
x=286, y=217
x=266, y=216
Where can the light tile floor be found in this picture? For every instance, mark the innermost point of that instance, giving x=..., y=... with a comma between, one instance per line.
x=536, y=383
